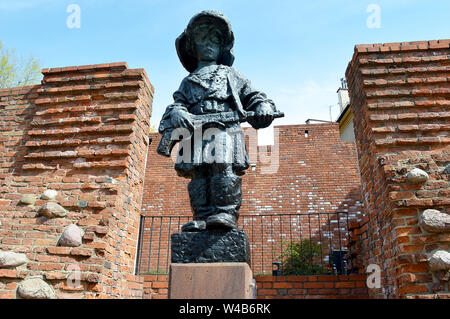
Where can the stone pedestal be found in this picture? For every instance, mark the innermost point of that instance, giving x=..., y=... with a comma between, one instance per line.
x=210, y=246
x=211, y=281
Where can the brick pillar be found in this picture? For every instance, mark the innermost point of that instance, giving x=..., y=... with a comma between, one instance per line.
x=85, y=135
x=400, y=100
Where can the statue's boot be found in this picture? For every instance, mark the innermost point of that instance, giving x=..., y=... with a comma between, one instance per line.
x=221, y=221
x=195, y=225
x=198, y=195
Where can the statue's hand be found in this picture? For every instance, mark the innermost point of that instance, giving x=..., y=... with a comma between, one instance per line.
x=264, y=114
x=181, y=118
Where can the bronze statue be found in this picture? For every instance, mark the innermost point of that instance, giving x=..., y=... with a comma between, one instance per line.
x=210, y=104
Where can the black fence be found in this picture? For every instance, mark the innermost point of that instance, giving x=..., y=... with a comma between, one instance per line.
x=288, y=244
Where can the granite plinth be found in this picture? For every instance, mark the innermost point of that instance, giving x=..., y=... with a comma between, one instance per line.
x=210, y=246
x=211, y=281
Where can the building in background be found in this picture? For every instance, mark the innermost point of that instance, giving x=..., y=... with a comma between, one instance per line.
x=345, y=118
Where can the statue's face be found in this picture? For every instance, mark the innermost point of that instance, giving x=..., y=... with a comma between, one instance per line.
x=207, y=45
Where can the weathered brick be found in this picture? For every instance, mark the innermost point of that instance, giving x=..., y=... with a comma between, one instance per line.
x=58, y=275
x=10, y=273
x=81, y=252
x=58, y=250
x=282, y=285
x=415, y=289
x=50, y=266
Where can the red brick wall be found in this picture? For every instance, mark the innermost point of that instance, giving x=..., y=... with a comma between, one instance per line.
x=283, y=287
x=399, y=96
x=156, y=286
x=315, y=174
x=84, y=133
x=312, y=287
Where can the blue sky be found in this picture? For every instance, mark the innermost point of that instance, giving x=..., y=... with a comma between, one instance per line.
x=294, y=51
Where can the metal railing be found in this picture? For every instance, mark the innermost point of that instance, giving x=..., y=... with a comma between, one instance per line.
x=310, y=243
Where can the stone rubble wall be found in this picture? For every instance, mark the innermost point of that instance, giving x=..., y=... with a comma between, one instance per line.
x=71, y=182
x=399, y=95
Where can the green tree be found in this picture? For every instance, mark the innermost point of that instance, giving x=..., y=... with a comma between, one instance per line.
x=153, y=128
x=17, y=71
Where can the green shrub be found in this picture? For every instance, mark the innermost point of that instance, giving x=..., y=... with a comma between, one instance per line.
x=298, y=258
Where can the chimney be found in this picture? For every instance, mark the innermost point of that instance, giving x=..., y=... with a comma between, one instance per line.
x=342, y=92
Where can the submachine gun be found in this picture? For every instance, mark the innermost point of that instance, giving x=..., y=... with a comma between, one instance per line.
x=168, y=141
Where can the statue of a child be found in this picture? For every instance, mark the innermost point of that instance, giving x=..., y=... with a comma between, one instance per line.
x=213, y=86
